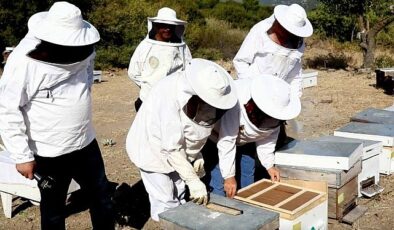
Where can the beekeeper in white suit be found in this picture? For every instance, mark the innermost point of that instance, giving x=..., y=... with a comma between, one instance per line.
x=275, y=46
x=46, y=113
x=264, y=103
x=161, y=53
x=171, y=128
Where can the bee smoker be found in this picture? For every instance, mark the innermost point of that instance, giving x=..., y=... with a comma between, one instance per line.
x=44, y=182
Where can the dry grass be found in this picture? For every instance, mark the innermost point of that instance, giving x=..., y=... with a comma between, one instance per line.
x=326, y=107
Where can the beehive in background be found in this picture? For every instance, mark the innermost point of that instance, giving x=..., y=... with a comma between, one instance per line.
x=369, y=177
x=375, y=132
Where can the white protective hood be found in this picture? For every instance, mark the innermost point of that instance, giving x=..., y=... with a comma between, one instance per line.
x=179, y=33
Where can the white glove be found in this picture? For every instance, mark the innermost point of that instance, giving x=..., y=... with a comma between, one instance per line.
x=198, y=166
x=198, y=192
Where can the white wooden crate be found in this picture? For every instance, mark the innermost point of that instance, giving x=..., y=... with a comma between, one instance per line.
x=325, y=155
x=309, y=79
x=97, y=76
x=370, y=158
x=14, y=184
x=376, y=132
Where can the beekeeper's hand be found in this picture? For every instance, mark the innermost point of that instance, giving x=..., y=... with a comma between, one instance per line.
x=230, y=186
x=198, y=166
x=198, y=192
x=274, y=174
x=179, y=161
x=26, y=169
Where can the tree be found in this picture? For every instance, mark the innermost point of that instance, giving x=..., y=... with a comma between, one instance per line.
x=372, y=17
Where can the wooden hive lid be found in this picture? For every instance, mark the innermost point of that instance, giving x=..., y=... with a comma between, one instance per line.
x=289, y=200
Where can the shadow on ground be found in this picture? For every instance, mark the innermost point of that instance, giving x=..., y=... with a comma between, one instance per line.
x=131, y=204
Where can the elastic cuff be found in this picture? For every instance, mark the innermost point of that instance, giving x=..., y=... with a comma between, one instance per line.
x=229, y=175
x=21, y=160
x=268, y=166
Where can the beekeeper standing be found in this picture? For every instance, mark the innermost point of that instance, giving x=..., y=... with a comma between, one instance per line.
x=46, y=114
x=275, y=46
x=161, y=53
x=264, y=103
x=171, y=128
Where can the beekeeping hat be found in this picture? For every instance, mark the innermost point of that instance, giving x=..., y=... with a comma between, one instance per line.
x=168, y=16
x=63, y=25
x=293, y=18
x=274, y=97
x=211, y=83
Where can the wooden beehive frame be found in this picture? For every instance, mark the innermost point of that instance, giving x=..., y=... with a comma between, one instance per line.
x=297, y=200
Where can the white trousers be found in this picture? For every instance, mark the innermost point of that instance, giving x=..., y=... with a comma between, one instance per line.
x=165, y=191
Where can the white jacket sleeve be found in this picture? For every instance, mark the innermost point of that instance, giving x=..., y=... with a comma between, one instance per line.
x=172, y=144
x=265, y=149
x=90, y=70
x=188, y=54
x=137, y=63
x=296, y=83
x=245, y=55
x=13, y=96
x=229, y=128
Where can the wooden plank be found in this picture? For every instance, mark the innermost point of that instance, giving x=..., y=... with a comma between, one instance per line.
x=273, y=198
x=6, y=200
x=275, y=195
x=224, y=209
x=262, y=191
x=319, y=186
x=339, y=200
x=299, y=201
x=354, y=214
x=254, y=188
x=335, y=178
x=295, y=196
x=283, y=212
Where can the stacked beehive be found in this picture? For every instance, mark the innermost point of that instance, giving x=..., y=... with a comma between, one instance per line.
x=337, y=163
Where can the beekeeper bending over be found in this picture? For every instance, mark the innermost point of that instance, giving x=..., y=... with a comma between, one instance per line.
x=171, y=128
x=161, y=53
x=264, y=103
x=275, y=46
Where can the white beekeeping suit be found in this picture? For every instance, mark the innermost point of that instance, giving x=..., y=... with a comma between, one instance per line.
x=164, y=141
x=259, y=54
x=152, y=60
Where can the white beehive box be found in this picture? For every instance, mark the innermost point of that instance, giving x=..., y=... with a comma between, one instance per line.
x=97, y=76
x=376, y=132
x=199, y=217
x=390, y=108
x=12, y=183
x=372, y=115
x=309, y=79
x=369, y=163
x=300, y=205
x=326, y=155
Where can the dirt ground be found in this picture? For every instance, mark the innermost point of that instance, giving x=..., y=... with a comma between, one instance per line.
x=326, y=107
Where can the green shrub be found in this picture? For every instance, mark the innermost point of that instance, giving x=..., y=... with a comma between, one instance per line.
x=217, y=37
x=384, y=61
x=208, y=53
x=113, y=56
